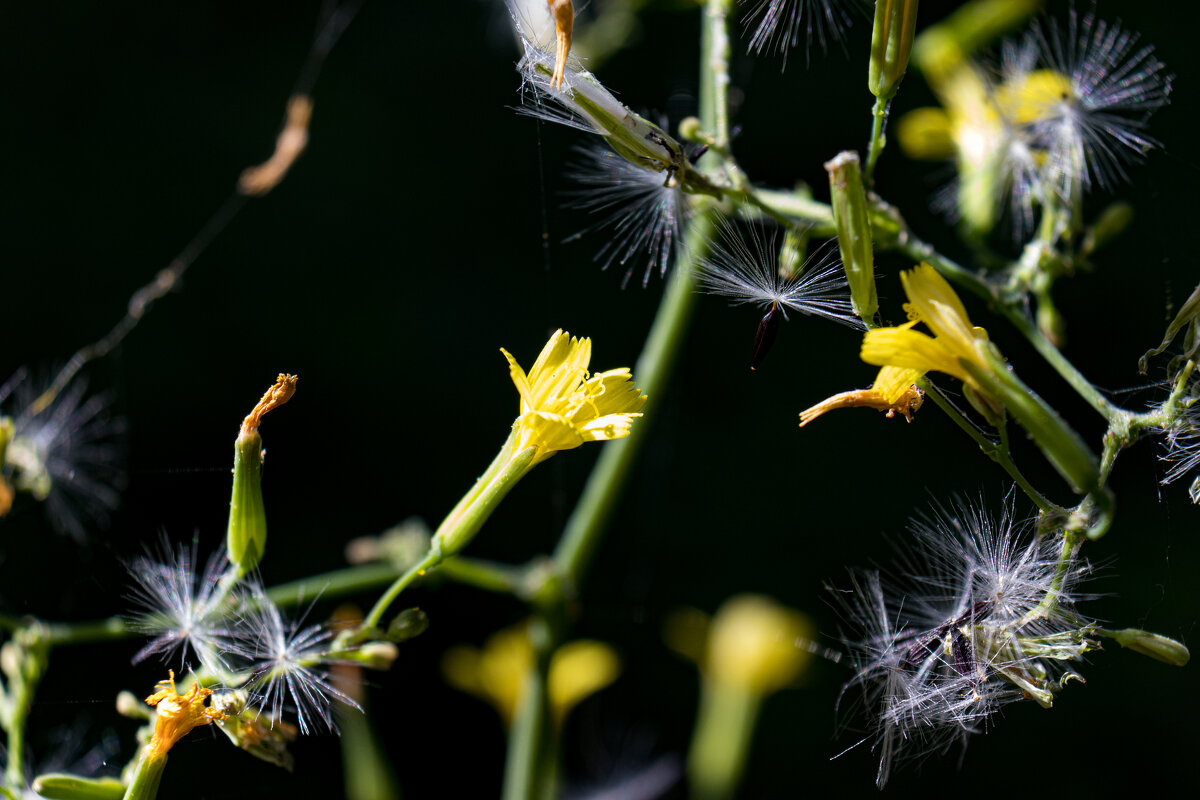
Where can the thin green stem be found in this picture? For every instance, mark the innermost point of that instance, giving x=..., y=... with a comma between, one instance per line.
x=431, y=560
x=486, y=575
x=529, y=764
x=996, y=451
x=879, y=114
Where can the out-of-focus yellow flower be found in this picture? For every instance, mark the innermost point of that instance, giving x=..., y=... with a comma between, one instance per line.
x=499, y=671
x=752, y=644
x=562, y=407
x=177, y=714
x=954, y=344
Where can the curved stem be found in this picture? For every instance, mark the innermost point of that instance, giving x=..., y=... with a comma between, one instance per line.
x=431, y=560
x=996, y=451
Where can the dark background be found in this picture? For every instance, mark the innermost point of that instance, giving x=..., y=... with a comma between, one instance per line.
x=402, y=251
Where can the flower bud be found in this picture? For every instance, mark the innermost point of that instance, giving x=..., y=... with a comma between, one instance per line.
x=247, y=534
x=852, y=219
x=891, y=44
x=408, y=624
x=1157, y=647
x=61, y=786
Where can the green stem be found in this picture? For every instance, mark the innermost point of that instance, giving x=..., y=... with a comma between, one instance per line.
x=653, y=369
x=721, y=740
x=880, y=113
x=457, y=530
x=146, y=777
x=486, y=575
x=431, y=560
x=529, y=765
x=998, y=452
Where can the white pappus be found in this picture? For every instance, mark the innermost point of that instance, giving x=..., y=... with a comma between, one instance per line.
x=980, y=613
x=744, y=264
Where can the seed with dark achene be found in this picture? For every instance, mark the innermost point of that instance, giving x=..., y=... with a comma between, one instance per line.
x=765, y=337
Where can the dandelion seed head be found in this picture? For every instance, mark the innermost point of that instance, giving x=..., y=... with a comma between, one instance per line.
x=181, y=610
x=743, y=265
x=290, y=665
x=962, y=629
x=1097, y=127
x=65, y=452
x=641, y=210
x=778, y=24
x=1182, y=450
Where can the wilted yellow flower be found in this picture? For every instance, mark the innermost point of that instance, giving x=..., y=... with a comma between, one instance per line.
x=955, y=341
x=498, y=672
x=176, y=714
x=562, y=407
x=893, y=391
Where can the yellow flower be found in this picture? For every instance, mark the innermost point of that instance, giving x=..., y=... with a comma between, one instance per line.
x=752, y=644
x=177, y=714
x=955, y=342
x=498, y=672
x=562, y=407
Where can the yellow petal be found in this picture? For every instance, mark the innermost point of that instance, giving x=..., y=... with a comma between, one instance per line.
x=579, y=669
x=935, y=301
x=610, y=426
x=894, y=382
x=926, y=133
x=520, y=380
x=558, y=371
x=548, y=432
x=898, y=347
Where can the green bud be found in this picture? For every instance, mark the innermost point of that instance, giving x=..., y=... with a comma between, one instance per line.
x=247, y=535
x=408, y=624
x=853, y=221
x=891, y=44
x=1111, y=223
x=132, y=706
x=61, y=786
x=377, y=655
x=690, y=130
x=1157, y=647
x=246, y=538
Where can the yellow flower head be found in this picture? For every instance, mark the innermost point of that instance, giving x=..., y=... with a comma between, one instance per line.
x=562, y=406
x=752, y=644
x=498, y=672
x=178, y=713
x=955, y=341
